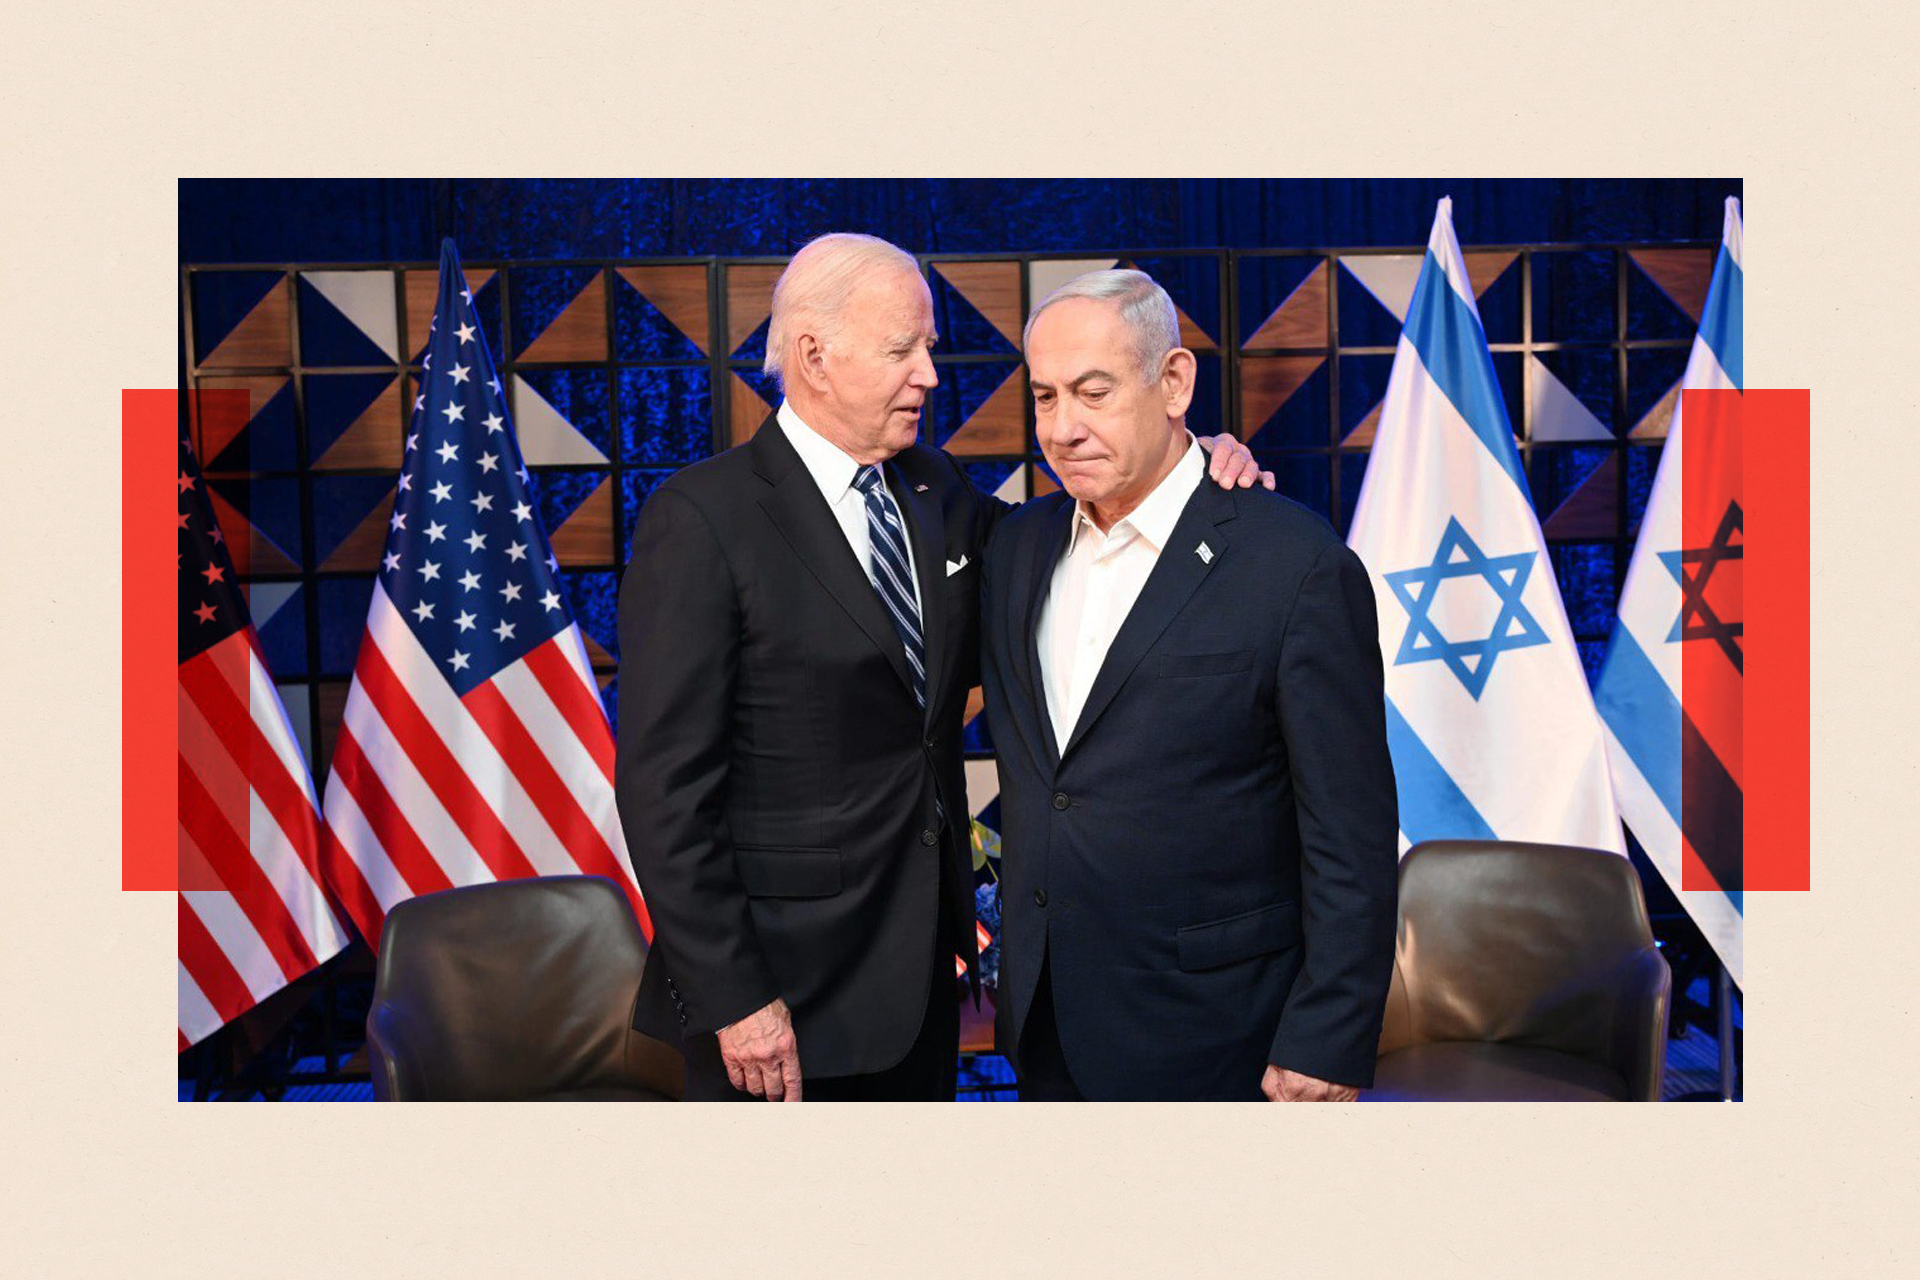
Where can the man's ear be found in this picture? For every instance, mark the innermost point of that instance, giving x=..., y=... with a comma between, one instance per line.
x=1177, y=379
x=809, y=363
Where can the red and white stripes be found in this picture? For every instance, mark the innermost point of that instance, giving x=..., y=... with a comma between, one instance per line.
x=430, y=790
x=255, y=908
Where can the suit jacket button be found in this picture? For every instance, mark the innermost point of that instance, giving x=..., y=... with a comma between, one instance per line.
x=929, y=839
x=929, y=744
x=1060, y=800
x=1039, y=897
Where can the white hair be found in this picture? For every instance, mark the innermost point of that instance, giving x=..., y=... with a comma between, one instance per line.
x=1144, y=306
x=813, y=290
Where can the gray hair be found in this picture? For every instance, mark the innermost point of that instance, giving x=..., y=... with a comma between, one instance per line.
x=1144, y=306
x=814, y=289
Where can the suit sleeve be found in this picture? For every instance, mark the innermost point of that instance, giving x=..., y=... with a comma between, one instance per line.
x=1332, y=711
x=680, y=635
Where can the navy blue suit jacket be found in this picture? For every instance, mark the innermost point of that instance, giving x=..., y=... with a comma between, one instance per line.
x=1209, y=862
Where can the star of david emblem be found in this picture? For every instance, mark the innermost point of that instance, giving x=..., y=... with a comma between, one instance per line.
x=1459, y=556
x=1693, y=569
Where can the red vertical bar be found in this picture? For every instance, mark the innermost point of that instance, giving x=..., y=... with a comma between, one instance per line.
x=149, y=661
x=1778, y=633
x=1711, y=572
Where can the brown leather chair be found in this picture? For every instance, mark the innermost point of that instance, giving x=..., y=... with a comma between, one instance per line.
x=521, y=990
x=1524, y=973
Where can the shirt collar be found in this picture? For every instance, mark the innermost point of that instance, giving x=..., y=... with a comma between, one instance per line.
x=1156, y=515
x=829, y=466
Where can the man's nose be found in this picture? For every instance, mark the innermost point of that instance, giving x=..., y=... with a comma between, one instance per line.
x=924, y=376
x=1063, y=429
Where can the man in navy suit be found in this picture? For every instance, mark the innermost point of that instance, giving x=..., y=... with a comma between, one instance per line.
x=1184, y=685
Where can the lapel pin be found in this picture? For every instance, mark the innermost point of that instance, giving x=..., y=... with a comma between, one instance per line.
x=1205, y=553
x=919, y=488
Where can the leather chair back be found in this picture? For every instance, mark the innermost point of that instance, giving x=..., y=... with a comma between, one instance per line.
x=1528, y=944
x=518, y=990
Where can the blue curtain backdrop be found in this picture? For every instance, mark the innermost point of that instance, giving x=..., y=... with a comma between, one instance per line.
x=250, y=220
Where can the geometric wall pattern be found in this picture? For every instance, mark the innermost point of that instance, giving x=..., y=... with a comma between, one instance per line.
x=619, y=372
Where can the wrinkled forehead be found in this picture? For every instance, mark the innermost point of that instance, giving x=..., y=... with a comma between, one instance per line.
x=1078, y=336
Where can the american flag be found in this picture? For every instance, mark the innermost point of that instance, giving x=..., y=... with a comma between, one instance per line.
x=474, y=746
x=254, y=910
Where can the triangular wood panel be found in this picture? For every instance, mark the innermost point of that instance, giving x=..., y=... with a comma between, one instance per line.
x=587, y=535
x=1192, y=336
x=1592, y=510
x=746, y=411
x=1655, y=422
x=999, y=425
x=374, y=438
x=362, y=548
x=677, y=292
x=993, y=289
x=578, y=335
x=1266, y=383
x=221, y=408
x=1301, y=319
x=597, y=655
x=749, y=299
x=1361, y=436
x=1484, y=267
x=1682, y=274
x=251, y=550
x=976, y=702
x=1043, y=483
x=263, y=339
x=423, y=290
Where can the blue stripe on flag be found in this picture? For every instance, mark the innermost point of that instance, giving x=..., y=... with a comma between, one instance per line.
x=1432, y=806
x=1643, y=713
x=1452, y=346
x=1720, y=326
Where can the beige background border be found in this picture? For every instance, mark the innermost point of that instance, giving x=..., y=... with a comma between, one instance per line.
x=106, y=1174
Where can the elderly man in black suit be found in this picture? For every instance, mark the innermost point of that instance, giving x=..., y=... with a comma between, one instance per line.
x=799, y=626
x=1184, y=683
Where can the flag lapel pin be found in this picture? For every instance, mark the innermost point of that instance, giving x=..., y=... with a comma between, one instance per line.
x=919, y=488
x=1205, y=553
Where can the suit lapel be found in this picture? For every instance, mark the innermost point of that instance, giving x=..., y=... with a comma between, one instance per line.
x=804, y=520
x=1175, y=576
x=930, y=570
x=1049, y=543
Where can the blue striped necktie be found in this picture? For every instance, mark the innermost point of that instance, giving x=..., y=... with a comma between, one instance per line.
x=887, y=539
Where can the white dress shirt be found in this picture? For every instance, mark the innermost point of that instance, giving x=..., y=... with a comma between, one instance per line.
x=833, y=470
x=1096, y=583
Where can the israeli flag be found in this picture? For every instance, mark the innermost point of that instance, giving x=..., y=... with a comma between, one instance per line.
x=1654, y=739
x=1489, y=719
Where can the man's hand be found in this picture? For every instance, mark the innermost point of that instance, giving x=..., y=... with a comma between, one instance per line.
x=1233, y=465
x=1282, y=1085
x=761, y=1054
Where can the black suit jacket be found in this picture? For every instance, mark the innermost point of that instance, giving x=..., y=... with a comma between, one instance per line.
x=1209, y=863
x=777, y=782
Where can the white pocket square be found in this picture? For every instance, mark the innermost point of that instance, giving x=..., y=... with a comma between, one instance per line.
x=955, y=566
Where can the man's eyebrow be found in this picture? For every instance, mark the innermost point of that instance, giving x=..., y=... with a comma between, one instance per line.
x=1090, y=375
